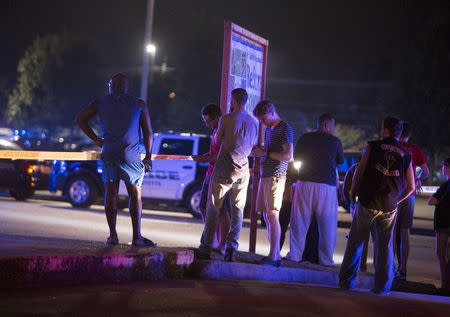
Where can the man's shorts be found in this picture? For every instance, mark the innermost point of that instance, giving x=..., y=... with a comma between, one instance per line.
x=270, y=194
x=405, y=213
x=130, y=173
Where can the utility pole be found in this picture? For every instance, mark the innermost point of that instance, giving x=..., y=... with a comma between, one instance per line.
x=147, y=55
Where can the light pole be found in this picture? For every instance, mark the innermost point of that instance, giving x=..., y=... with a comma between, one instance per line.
x=150, y=49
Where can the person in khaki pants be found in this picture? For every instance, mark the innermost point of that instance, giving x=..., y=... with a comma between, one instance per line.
x=277, y=153
x=237, y=135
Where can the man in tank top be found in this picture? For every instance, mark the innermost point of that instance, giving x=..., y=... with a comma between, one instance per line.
x=121, y=117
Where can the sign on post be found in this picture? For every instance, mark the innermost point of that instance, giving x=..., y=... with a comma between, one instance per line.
x=244, y=65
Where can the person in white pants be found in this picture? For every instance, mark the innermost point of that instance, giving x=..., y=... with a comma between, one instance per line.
x=315, y=192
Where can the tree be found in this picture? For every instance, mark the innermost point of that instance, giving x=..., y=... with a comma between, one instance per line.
x=353, y=139
x=54, y=81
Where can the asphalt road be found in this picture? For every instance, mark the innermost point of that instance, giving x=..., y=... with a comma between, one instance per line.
x=214, y=298
x=58, y=219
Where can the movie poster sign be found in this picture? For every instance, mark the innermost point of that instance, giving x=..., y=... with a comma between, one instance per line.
x=244, y=65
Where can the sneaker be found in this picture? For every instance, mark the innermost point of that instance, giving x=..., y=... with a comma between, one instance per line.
x=443, y=292
x=143, y=242
x=400, y=276
x=269, y=261
x=112, y=241
x=199, y=255
x=379, y=292
x=345, y=287
x=229, y=255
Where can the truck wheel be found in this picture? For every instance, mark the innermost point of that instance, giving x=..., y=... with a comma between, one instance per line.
x=21, y=194
x=81, y=191
x=193, y=201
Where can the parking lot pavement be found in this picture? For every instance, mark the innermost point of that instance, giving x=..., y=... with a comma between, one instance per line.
x=215, y=298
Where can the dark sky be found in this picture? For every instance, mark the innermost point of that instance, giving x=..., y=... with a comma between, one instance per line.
x=308, y=39
x=346, y=40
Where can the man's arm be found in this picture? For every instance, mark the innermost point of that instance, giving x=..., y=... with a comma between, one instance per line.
x=205, y=158
x=286, y=155
x=83, y=118
x=147, y=132
x=423, y=175
x=359, y=173
x=220, y=132
x=410, y=184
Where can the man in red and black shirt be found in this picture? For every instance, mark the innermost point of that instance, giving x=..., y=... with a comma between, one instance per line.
x=406, y=208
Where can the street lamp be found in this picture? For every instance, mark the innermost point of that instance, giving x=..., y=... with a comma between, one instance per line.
x=151, y=49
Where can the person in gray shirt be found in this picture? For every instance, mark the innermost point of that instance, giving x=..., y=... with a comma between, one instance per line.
x=237, y=134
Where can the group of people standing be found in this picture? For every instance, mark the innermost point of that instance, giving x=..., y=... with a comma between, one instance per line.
x=380, y=189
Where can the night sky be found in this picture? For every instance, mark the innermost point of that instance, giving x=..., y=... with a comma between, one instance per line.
x=314, y=40
x=308, y=39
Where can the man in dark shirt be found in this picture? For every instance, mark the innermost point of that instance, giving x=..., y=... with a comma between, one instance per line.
x=441, y=199
x=383, y=179
x=277, y=153
x=315, y=192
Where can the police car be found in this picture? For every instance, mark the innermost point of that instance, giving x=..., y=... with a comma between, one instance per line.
x=176, y=181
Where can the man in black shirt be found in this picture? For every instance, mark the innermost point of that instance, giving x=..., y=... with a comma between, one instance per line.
x=315, y=192
x=383, y=179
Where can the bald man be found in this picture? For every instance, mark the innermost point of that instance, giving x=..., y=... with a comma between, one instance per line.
x=121, y=117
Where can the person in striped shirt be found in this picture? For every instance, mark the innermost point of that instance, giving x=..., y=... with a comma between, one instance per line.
x=277, y=153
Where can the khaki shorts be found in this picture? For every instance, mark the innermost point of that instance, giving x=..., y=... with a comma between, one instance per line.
x=270, y=194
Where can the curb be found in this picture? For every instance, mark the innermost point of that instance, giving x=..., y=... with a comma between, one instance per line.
x=61, y=270
x=244, y=271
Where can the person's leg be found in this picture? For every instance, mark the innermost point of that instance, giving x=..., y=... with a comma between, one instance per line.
x=326, y=207
x=384, y=264
x=111, y=200
x=204, y=197
x=217, y=191
x=272, y=218
x=267, y=221
x=135, y=207
x=285, y=217
x=359, y=231
x=222, y=229
x=363, y=266
x=311, y=251
x=238, y=198
x=133, y=174
x=441, y=252
x=405, y=226
x=300, y=220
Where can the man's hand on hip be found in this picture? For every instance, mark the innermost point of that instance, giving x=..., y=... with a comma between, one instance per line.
x=147, y=161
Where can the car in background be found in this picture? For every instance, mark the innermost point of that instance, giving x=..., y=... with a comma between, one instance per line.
x=22, y=177
x=176, y=182
x=350, y=158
